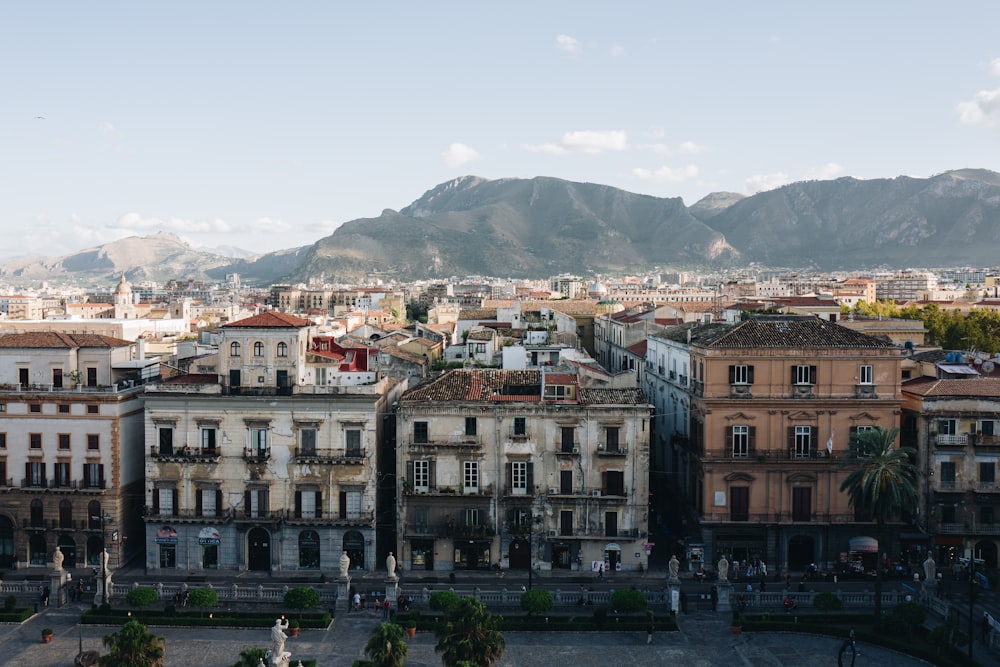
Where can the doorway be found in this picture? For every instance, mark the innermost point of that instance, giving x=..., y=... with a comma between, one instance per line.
x=68, y=548
x=259, y=550
x=800, y=552
x=519, y=556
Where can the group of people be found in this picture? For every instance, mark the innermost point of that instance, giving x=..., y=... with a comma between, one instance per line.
x=790, y=604
x=380, y=606
x=181, y=598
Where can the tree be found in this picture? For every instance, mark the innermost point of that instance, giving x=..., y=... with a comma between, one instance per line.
x=386, y=646
x=882, y=484
x=251, y=657
x=628, y=601
x=444, y=601
x=827, y=602
x=132, y=646
x=301, y=598
x=203, y=597
x=471, y=633
x=142, y=596
x=536, y=601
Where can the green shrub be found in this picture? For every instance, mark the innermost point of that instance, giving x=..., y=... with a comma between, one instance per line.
x=444, y=601
x=600, y=616
x=142, y=596
x=251, y=657
x=827, y=602
x=628, y=601
x=203, y=597
x=910, y=614
x=301, y=598
x=536, y=601
x=10, y=602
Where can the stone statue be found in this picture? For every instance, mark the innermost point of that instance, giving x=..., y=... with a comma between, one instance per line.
x=57, y=559
x=674, y=566
x=345, y=564
x=390, y=566
x=723, y=570
x=105, y=559
x=278, y=655
x=930, y=569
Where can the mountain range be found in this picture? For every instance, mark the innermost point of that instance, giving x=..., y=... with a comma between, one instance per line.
x=542, y=226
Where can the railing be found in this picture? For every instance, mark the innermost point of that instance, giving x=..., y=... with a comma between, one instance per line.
x=987, y=487
x=977, y=528
x=190, y=515
x=763, y=455
x=952, y=440
x=256, y=456
x=312, y=455
x=983, y=440
x=865, y=391
x=740, y=391
x=186, y=454
x=618, y=450
x=561, y=450
x=49, y=388
x=778, y=517
x=451, y=441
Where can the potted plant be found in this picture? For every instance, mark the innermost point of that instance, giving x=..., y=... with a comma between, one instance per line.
x=293, y=628
x=411, y=628
x=46, y=635
x=737, y=625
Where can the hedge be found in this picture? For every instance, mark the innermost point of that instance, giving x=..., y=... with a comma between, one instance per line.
x=16, y=615
x=200, y=619
x=554, y=623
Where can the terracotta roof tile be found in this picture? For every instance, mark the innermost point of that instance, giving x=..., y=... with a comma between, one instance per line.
x=268, y=320
x=59, y=340
x=972, y=387
x=781, y=331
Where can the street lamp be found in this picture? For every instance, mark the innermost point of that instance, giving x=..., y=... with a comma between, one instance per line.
x=105, y=520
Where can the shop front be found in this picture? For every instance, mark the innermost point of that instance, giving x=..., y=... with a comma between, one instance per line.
x=472, y=555
x=862, y=555
x=421, y=554
x=209, y=540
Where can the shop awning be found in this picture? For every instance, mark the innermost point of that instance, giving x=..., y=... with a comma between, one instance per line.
x=950, y=540
x=863, y=544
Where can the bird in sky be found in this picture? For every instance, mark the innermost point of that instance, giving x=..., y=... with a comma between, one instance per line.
x=40, y=117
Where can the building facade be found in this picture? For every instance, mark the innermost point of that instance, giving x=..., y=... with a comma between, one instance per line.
x=524, y=468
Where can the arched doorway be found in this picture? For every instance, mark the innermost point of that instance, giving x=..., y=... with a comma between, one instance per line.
x=800, y=552
x=66, y=514
x=354, y=545
x=519, y=556
x=309, y=549
x=94, y=547
x=6, y=543
x=37, y=549
x=259, y=550
x=68, y=547
x=987, y=551
x=37, y=513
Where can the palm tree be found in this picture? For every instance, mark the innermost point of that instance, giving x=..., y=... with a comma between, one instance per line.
x=882, y=484
x=387, y=646
x=132, y=646
x=471, y=634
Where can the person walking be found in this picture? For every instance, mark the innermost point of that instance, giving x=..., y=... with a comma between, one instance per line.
x=45, y=596
x=385, y=610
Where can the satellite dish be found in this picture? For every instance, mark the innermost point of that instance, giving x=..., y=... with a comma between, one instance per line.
x=988, y=366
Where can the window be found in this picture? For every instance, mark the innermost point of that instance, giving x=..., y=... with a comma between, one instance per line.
x=988, y=427
x=566, y=522
x=308, y=504
x=520, y=426
x=947, y=475
x=350, y=504
x=258, y=442
x=568, y=439
x=614, y=483
x=519, y=478
x=804, y=375
x=37, y=514
x=741, y=374
x=353, y=442
x=94, y=515
x=62, y=470
x=282, y=349
x=93, y=475
x=35, y=407
x=986, y=515
x=234, y=349
x=34, y=473
x=420, y=520
x=566, y=482
x=866, y=374
x=165, y=439
x=63, y=408
x=255, y=503
x=987, y=472
x=470, y=426
x=309, y=549
x=258, y=349
x=948, y=514
x=168, y=555
x=420, y=432
x=208, y=502
x=35, y=440
x=64, y=441
x=208, y=439
x=739, y=503
x=93, y=409
x=801, y=503
x=742, y=437
x=66, y=513
x=470, y=476
x=471, y=516
x=421, y=475
x=802, y=441
x=93, y=442
x=3, y=441
x=307, y=441
x=611, y=438
x=947, y=426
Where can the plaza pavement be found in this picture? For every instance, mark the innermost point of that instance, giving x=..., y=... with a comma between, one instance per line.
x=704, y=639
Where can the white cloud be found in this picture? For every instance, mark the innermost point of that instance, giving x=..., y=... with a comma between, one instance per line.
x=690, y=148
x=983, y=109
x=658, y=148
x=586, y=141
x=106, y=129
x=667, y=174
x=995, y=66
x=324, y=227
x=567, y=43
x=135, y=223
x=269, y=226
x=824, y=172
x=763, y=182
x=616, y=51
x=459, y=154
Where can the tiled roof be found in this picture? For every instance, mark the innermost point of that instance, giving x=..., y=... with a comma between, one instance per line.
x=193, y=378
x=477, y=314
x=483, y=334
x=573, y=307
x=59, y=340
x=782, y=331
x=973, y=387
x=488, y=385
x=269, y=320
x=638, y=349
x=633, y=396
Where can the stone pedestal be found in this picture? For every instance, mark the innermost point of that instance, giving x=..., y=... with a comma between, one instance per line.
x=57, y=587
x=674, y=597
x=103, y=589
x=392, y=590
x=343, y=593
x=724, y=593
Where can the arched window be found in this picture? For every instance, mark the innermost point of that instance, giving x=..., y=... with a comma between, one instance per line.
x=258, y=349
x=309, y=549
x=282, y=349
x=94, y=515
x=65, y=513
x=37, y=550
x=234, y=349
x=37, y=514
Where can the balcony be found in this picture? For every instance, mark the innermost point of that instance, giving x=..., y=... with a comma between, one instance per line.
x=949, y=486
x=565, y=450
x=697, y=387
x=614, y=450
x=803, y=391
x=983, y=440
x=188, y=516
x=865, y=391
x=950, y=440
x=759, y=455
x=987, y=487
x=978, y=528
x=459, y=442
x=778, y=518
x=185, y=455
x=448, y=527
x=34, y=483
x=318, y=519
x=256, y=456
x=268, y=516
x=328, y=456
x=740, y=391
x=7, y=483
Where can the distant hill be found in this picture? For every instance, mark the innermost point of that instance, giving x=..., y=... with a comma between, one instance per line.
x=543, y=226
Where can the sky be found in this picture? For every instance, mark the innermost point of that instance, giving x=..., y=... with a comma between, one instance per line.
x=265, y=125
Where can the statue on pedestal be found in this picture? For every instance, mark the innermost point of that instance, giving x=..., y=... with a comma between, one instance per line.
x=57, y=559
x=278, y=656
x=723, y=570
x=930, y=569
x=390, y=566
x=674, y=567
x=345, y=565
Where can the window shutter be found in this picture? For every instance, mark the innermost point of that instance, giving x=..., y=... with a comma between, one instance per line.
x=262, y=496
x=791, y=438
x=156, y=500
x=298, y=504
x=729, y=436
x=752, y=438
x=432, y=479
x=409, y=473
x=218, y=502
x=86, y=474
x=531, y=478
x=100, y=472
x=510, y=476
x=814, y=437
x=794, y=373
x=812, y=375
x=343, y=504
x=319, y=504
x=604, y=483
x=173, y=493
x=732, y=374
x=27, y=471
x=749, y=374
x=198, y=504
x=247, y=503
